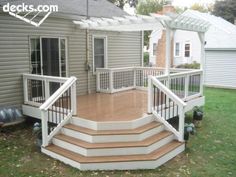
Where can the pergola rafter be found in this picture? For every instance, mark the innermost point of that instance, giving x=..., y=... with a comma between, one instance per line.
x=142, y=22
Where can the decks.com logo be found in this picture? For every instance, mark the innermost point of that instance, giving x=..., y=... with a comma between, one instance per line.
x=34, y=15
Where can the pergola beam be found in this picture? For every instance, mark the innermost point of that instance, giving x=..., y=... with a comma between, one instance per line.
x=142, y=22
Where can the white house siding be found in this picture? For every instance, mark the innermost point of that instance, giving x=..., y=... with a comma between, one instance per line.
x=15, y=59
x=154, y=37
x=195, y=47
x=220, y=68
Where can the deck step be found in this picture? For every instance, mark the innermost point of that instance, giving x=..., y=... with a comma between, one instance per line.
x=147, y=142
x=112, y=136
x=138, y=130
x=108, y=159
x=84, y=148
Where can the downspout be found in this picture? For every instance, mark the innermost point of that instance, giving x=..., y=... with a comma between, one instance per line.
x=87, y=63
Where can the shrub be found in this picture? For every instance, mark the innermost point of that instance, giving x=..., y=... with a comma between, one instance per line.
x=145, y=58
x=193, y=65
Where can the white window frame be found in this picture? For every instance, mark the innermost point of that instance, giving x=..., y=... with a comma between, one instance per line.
x=59, y=46
x=179, y=49
x=190, y=49
x=105, y=50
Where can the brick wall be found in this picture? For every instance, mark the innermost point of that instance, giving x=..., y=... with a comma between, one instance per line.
x=161, y=47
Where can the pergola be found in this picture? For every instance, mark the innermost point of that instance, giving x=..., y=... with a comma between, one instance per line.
x=170, y=23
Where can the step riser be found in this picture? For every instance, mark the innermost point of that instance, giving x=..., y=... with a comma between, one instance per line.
x=118, y=125
x=113, y=151
x=133, y=165
x=112, y=138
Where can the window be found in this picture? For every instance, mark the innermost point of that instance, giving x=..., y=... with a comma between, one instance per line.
x=99, y=52
x=187, y=50
x=48, y=56
x=154, y=49
x=177, y=49
x=35, y=55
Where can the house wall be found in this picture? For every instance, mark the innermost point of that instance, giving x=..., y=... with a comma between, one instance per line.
x=184, y=37
x=154, y=38
x=220, y=68
x=124, y=49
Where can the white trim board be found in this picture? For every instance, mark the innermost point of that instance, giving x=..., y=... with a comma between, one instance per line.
x=112, y=125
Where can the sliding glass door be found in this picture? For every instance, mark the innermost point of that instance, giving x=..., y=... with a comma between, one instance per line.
x=48, y=57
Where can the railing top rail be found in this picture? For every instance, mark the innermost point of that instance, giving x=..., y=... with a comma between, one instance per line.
x=181, y=69
x=43, y=77
x=167, y=91
x=52, y=99
x=113, y=69
x=147, y=68
x=129, y=68
x=180, y=74
x=199, y=71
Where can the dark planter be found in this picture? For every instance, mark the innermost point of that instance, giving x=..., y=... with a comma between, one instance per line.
x=197, y=115
x=186, y=136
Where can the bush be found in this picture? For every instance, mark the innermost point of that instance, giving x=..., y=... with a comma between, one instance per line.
x=193, y=65
x=145, y=58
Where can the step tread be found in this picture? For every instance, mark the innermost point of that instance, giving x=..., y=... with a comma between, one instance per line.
x=107, y=159
x=147, y=142
x=113, y=132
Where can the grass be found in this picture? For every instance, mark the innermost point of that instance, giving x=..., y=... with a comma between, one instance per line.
x=210, y=153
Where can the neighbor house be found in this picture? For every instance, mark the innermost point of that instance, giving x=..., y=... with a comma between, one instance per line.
x=220, y=46
x=54, y=71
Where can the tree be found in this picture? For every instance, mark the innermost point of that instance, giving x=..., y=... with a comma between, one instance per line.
x=225, y=9
x=201, y=8
x=121, y=3
x=146, y=7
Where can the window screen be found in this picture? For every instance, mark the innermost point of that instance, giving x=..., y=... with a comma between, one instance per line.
x=99, y=53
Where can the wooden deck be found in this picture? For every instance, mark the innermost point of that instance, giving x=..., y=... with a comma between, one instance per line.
x=122, y=106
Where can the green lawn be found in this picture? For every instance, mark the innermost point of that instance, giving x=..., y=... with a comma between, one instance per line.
x=211, y=152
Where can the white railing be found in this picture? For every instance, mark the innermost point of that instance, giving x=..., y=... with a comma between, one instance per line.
x=186, y=84
x=165, y=105
x=166, y=96
x=38, y=88
x=58, y=107
x=119, y=79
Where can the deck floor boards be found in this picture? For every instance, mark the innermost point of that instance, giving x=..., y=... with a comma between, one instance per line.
x=121, y=106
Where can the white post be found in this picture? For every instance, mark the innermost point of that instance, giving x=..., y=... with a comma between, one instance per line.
x=202, y=66
x=169, y=34
x=73, y=99
x=25, y=86
x=181, y=124
x=134, y=77
x=111, y=80
x=186, y=86
x=150, y=95
x=47, y=90
x=44, y=124
x=142, y=45
x=201, y=83
x=98, y=82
